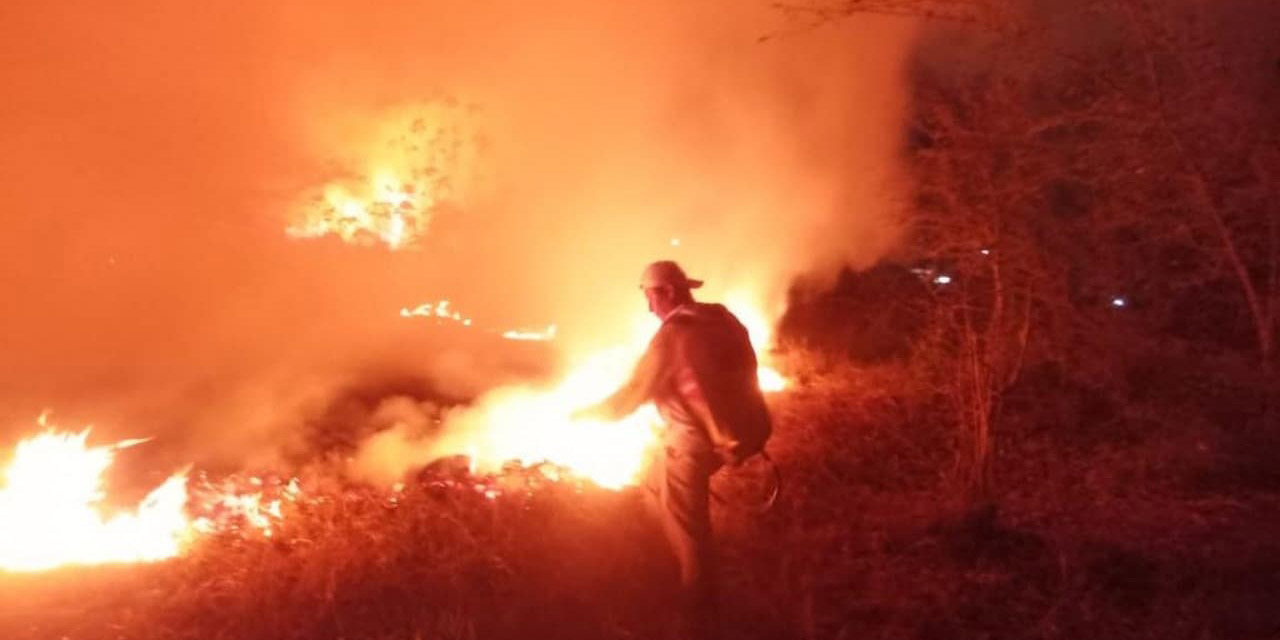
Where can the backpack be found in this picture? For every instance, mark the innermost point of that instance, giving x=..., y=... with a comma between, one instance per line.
x=716, y=348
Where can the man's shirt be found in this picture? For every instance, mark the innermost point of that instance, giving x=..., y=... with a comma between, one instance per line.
x=700, y=372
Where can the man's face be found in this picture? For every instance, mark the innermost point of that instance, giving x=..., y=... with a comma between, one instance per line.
x=659, y=300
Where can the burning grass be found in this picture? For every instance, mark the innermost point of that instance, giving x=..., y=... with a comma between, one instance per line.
x=448, y=555
x=1117, y=539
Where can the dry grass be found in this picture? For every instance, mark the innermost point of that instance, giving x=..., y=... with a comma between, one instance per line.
x=1129, y=532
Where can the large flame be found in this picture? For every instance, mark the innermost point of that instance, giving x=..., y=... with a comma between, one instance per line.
x=535, y=426
x=51, y=513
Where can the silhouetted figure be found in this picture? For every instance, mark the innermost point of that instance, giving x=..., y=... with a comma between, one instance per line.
x=700, y=372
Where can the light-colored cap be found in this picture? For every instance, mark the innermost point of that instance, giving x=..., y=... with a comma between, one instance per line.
x=666, y=273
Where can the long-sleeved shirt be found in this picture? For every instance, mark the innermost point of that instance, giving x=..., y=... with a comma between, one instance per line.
x=700, y=372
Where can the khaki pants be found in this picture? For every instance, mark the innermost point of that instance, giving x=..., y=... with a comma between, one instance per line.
x=681, y=484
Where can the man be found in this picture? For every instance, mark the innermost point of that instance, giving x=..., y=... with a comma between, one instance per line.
x=700, y=372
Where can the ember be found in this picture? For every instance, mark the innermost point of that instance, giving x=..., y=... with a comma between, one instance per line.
x=440, y=312
x=241, y=504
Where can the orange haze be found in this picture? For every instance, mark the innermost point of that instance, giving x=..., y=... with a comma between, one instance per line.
x=155, y=153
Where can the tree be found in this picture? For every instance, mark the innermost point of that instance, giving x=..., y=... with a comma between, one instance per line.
x=1076, y=161
x=1219, y=138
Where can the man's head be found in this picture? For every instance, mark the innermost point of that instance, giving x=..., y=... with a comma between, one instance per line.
x=666, y=287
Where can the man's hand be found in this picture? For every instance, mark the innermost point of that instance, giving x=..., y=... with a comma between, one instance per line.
x=596, y=412
x=730, y=456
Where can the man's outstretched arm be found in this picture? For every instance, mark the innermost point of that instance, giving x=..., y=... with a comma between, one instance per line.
x=638, y=389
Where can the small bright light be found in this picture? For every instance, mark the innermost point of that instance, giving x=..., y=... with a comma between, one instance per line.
x=1118, y=302
x=351, y=209
x=675, y=242
x=394, y=235
x=942, y=279
x=986, y=252
x=394, y=197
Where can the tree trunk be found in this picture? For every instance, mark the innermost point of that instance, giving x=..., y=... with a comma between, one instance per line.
x=1206, y=203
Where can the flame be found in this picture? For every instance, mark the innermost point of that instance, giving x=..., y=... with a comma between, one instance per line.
x=417, y=157
x=759, y=330
x=50, y=500
x=770, y=380
x=440, y=311
x=535, y=426
x=238, y=503
x=546, y=334
x=532, y=426
x=51, y=507
x=386, y=211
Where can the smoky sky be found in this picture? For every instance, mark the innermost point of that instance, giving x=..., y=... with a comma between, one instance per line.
x=154, y=153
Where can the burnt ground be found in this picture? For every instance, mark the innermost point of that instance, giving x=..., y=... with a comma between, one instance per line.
x=1139, y=527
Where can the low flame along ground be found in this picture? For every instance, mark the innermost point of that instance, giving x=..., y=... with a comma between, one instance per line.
x=53, y=485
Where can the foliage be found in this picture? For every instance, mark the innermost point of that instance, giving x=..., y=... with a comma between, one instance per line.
x=1095, y=182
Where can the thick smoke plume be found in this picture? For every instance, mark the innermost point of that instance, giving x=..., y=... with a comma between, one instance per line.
x=156, y=153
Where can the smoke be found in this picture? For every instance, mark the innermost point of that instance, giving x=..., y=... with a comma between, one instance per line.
x=401, y=444
x=156, y=156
